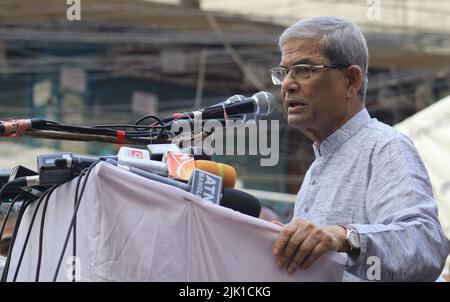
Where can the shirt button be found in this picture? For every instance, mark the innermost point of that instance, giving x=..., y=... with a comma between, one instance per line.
x=306, y=209
x=314, y=183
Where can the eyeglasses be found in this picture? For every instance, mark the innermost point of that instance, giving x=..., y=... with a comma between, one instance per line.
x=300, y=72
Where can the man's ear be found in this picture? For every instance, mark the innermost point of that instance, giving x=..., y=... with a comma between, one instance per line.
x=354, y=76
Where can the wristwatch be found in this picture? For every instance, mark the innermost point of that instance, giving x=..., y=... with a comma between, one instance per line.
x=352, y=237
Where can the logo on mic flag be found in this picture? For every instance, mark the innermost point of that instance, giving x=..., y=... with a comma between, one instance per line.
x=137, y=154
x=206, y=185
x=180, y=165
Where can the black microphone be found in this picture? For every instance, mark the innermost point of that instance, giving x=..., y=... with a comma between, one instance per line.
x=231, y=100
x=261, y=104
x=241, y=201
x=237, y=98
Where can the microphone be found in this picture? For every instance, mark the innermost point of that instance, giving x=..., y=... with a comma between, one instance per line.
x=140, y=158
x=227, y=172
x=149, y=175
x=241, y=201
x=61, y=167
x=175, y=164
x=157, y=151
x=236, y=99
x=205, y=185
x=58, y=168
x=231, y=100
x=261, y=104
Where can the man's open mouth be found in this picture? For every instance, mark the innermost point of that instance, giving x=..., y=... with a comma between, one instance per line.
x=295, y=105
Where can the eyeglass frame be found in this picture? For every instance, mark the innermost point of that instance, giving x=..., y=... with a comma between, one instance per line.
x=287, y=70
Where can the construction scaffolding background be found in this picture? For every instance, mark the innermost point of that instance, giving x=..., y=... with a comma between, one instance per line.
x=124, y=59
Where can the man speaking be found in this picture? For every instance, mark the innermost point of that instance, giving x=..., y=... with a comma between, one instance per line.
x=367, y=193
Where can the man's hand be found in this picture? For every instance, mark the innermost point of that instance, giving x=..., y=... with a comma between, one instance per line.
x=301, y=243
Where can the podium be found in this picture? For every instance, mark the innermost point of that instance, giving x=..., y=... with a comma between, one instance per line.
x=133, y=229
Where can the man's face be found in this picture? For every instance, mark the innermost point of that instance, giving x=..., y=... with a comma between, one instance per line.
x=319, y=103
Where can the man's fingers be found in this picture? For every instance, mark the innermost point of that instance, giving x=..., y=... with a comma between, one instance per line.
x=294, y=243
x=301, y=243
x=286, y=232
x=317, y=252
x=278, y=223
x=303, y=251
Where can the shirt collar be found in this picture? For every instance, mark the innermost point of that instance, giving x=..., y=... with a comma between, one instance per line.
x=340, y=136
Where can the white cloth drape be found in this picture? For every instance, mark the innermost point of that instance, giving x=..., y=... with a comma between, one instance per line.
x=133, y=229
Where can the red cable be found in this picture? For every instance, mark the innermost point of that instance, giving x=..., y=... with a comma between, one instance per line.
x=120, y=137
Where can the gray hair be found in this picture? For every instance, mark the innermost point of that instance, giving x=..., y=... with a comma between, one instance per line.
x=340, y=40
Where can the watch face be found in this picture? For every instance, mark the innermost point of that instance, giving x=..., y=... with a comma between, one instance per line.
x=354, y=240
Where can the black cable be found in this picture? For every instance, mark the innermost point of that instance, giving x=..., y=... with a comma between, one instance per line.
x=146, y=117
x=97, y=131
x=145, y=132
x=24, y=206
x=41, y=235
x=74, y=242
x=82, y=130
x=160, y=135
x=30, y=228
x=105, y=130
x=80, y=197
x=135, y=135
x=135, y=127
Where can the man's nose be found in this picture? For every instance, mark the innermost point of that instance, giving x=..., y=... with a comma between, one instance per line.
x=289, y=85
